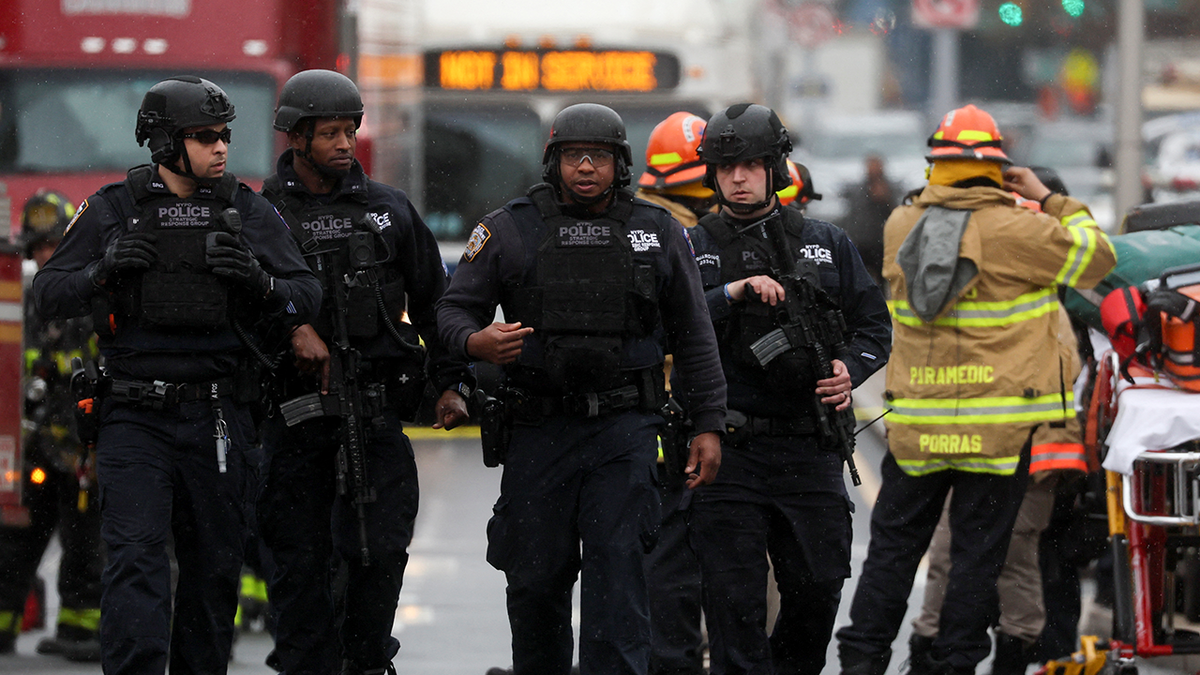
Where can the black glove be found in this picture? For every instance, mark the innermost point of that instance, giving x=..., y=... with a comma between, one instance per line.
x=228, y=258
x=134, y=250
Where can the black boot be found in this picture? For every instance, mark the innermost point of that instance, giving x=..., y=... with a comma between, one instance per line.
x=855, y=662
x=351, y=668
x=1012, y=655
x=919, y=646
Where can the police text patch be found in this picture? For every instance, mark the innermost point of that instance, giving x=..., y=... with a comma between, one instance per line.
x=479, y=237
x=584, y=233
x=644, y=241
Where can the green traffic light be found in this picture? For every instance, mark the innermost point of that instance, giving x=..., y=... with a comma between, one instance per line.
x=1074, y=7
x=1010, y=13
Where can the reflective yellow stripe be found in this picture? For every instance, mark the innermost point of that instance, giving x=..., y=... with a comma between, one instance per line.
x=665, y=158
x=87, y=619
x=253, y=588
x=1087, y=237
x=974, y=135
x=10, y=622
x=991, y=314
x=1003, y=466
x=991, y=410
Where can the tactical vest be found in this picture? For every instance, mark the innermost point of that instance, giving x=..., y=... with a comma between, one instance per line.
x=178, y=292
x=346, y=251
x=749, y=254
x=590, y=293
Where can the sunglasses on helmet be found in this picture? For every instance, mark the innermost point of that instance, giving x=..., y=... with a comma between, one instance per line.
x=210, y=136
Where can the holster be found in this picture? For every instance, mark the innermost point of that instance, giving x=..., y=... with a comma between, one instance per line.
x=495, y=428
x=673, y=440
x=86, y=384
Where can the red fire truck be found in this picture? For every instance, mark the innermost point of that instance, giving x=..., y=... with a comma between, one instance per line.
x=73, y=72
x=72, y=75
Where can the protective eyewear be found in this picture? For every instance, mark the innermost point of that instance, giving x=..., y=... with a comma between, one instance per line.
x=210, y=136
x=599, y=157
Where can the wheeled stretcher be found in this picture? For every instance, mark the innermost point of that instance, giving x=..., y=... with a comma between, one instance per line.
x=1148, y=431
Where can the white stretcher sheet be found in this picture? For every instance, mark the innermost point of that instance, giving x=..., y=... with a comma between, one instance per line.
x=1150, y=417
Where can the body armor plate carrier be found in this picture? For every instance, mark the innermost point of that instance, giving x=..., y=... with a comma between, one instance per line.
x=747, y=254
x=589, y=294
x=342, y=245
x=178, y=292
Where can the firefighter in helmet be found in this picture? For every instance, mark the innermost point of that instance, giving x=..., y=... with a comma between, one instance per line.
x=594, y=283
x=60, y=484
x=976, y=369
x=190, y=278
x=800, y=192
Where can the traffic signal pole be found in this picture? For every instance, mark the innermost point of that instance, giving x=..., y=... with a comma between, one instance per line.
x=1131, y=22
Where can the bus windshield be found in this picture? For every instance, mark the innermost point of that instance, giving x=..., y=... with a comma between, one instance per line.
x=479, y=157
x=73, y=121
x=476, y=159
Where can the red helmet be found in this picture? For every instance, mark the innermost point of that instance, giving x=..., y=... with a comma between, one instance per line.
x=801, y=188
x=671, y=157
x=967, y=133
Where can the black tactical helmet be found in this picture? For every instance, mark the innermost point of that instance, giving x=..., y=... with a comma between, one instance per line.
x=588, y=123
x=44, y=219
x=175, y=104
x=317, y=93
x=746, y=131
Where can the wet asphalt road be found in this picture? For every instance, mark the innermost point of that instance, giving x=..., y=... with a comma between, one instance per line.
x=451, y=620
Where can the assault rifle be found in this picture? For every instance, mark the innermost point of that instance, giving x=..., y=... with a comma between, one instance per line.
x=343, y=384
x=808, y=319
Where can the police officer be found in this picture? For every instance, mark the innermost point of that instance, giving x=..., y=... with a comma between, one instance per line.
x=369, y=247
x=186, y=271
x=780, y=491
x=65, y=496
x=673, y=179
x=592, y=282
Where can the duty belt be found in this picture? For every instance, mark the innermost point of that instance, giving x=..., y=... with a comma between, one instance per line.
x=738, y=422
x=160, y=395
x=530, y=408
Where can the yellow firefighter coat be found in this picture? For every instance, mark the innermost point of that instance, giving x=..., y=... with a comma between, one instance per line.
x=967, y=387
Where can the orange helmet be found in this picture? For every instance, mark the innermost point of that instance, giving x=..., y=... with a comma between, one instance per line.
x=671, y=157
x=967, y=133
x=801, y=188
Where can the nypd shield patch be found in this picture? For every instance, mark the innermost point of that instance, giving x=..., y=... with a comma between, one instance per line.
x=479, y=237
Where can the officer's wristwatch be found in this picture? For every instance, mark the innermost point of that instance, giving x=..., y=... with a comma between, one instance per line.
x=462, y=389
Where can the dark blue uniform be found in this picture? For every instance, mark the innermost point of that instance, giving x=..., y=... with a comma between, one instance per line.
x=571, y=477
x=299, y=498
x=162, y=477
x=779, y=492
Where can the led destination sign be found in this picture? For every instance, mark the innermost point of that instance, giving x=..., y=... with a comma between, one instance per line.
x=551, y=70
